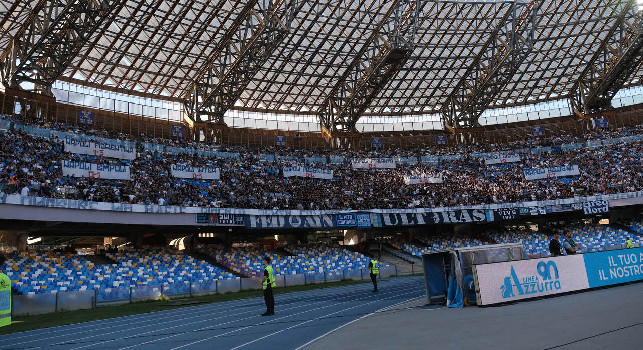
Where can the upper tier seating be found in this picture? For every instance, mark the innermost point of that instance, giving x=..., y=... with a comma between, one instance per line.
x=253, y=178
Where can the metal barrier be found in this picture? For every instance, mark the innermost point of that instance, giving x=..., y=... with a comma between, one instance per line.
x=53, y=302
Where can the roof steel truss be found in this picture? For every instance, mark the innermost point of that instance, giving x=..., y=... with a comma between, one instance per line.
x=618, y=57
x=497, y=62
x=52, y=35
x=383, y=55
x=255, y=34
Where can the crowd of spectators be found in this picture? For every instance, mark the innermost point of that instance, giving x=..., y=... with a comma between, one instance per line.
x=31, y=165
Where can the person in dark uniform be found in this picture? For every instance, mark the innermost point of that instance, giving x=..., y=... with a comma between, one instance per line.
x=555, y=249
x=570, y=246
x=374, y=271
x=268, y=284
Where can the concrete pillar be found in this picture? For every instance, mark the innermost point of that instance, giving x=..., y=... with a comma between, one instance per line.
x=14, y=238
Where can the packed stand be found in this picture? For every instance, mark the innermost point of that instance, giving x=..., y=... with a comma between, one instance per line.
x=31, y=165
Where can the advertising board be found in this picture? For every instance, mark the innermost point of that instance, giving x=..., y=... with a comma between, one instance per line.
x=525, y=279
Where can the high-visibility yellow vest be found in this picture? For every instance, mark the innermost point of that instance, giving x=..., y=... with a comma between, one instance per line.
x=271, y=278
x=374, y=268
x=5, y=300
x=629, y=243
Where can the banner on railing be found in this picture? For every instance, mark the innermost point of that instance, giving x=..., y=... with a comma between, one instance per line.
x=220, y=219
x=524, y=208
x=377, y=142
x=423, y=179
x=100, y=149
x=503, y=214
x=337, y=160
x=431, y=218
x=558, y=171
x=500, y=158
x=309, y=172
x=441, y=139
x=195, y=172
x=359, y=220
x=596, y=207
x=280, y=140
x=315, y=160
x=406, y=160
x=373, y=163
x=95, y=171
x=85, y=117
x=289, y=221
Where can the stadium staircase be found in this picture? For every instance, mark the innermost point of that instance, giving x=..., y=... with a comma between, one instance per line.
x=282, y=251
x=100, y=259
x=214, y=262
x=404, y=262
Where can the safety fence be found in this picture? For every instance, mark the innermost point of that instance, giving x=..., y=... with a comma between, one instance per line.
x=35, y=304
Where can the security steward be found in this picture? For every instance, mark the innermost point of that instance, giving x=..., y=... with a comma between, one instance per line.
x=375, y=270
x=5, y=297
x=268, y=284
x=628, y=243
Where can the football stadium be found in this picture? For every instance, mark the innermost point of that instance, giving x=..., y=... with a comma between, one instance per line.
x=338, y=174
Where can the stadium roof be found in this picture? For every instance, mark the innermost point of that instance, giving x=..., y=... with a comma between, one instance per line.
x=157, y=48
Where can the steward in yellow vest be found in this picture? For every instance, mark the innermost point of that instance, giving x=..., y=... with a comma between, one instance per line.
x=374, y=271
x=268, y=284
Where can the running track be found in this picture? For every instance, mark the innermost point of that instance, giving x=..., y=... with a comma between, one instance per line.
x=300, y=317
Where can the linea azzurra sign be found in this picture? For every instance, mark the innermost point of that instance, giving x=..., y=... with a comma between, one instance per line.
x=516, y=280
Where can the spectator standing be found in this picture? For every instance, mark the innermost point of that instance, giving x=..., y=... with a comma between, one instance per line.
x=570, y=246
x=25, y=191
x=555, y=249
x=628, y=243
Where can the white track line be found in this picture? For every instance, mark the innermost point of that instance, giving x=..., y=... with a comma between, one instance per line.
x=153, y=318
x=314, y=319
x=355, y=320
x=183, y=325
x=254, y=325
x=302, y=312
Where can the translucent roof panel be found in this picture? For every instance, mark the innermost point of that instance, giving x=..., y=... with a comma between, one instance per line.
x=157, y=48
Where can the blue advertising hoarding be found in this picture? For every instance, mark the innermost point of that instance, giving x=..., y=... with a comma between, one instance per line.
x=533, y=278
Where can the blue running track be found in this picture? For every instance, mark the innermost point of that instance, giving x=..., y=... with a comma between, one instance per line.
x=299, y=318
